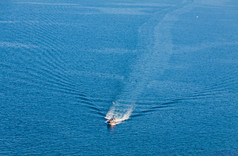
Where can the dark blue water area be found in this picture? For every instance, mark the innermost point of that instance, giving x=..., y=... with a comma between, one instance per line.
x=63, y=63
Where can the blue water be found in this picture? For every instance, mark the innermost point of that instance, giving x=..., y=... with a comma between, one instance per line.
x=169, y=67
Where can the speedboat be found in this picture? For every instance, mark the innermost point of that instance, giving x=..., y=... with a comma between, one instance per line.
x=111, y=121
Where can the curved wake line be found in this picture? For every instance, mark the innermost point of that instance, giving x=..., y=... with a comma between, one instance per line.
x=151, y=63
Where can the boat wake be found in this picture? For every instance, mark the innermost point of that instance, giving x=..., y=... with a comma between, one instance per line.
x=119, y=114
x=156, y=43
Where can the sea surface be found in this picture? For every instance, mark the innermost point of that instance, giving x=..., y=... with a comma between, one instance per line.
x=167, y=69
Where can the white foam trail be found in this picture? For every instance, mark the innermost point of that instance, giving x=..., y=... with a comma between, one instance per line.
x=152, y=63
x=119, y=114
